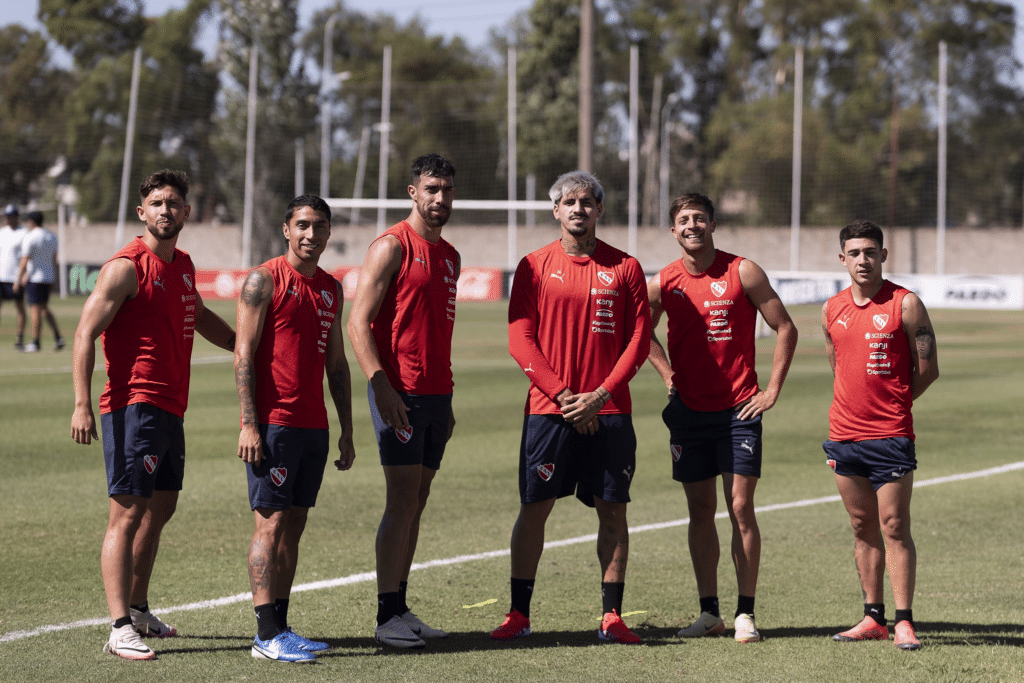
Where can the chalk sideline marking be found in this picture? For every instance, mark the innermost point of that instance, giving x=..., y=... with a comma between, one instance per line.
x=462, y=559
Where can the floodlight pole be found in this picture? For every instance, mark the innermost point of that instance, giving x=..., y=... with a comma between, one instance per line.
x=663, y=172
x=250, y=159
x=798, y=125
x=129, y=145
x=940, y=235
x=385, y=139
x=512, y=158
x=326, y=76
x=634, y=148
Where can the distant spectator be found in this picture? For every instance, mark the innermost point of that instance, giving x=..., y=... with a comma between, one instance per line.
x=11, y=237
x=36, y=274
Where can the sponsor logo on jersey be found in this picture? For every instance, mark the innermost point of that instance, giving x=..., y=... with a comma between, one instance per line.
x=545, y=471
x=718, y=288
x=150, y=462
x=844, y=321
x=404, y=434
x=188, y=281
x=328, y=297
x=558, y=274
x=160, y=284
x=880, y=320
x=677, y=452
x=606, y=277
x=278, y=475
x=605, y=313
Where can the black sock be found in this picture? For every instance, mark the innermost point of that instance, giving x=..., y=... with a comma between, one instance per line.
x=266, y=621
x=141, y=607
x=281, y=610
x=745, y=605
x=710, y=605
x=904, y=615
x=522, y=593
x=611, y=596
x=403, y=589
x=387, y=607
x=123, y=621
x=875, y=610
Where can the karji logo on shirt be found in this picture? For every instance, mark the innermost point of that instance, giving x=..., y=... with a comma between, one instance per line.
x=328, y=297
x=718, y=288
x=545, y=471
x=404, y=434
x=188, y=281
x=150, y=462
x=278, y=475
x=605, y=277
x=880, y=320
x=677, y=452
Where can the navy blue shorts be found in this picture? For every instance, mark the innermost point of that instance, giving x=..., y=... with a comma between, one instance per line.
x=880, y=460
x=705, y=444
x=429, y=417
x=143, y=449
x=292, y=468
x=37, y=293
x=7, y=292
x=555, y=460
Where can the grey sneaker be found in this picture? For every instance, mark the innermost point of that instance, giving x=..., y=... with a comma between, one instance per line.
x=397, y=633
x=421, y=629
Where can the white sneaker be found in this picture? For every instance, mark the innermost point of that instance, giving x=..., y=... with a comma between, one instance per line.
x=31, y=347
x=707, y=624
x=397, y=633
x=746, y=629
x=421, y=629
x=126, y=643
x=148, y=624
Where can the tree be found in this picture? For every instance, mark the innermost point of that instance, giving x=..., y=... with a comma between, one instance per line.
x=444, y=99
x=32, y=89
x=93, y=29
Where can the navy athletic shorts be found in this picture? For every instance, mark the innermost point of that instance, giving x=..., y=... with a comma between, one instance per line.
x=292, y=468
x=705, y=444
x=880, y=460
x=143, y=449
x=423, y=444
x=37, y=293
x=7, y=292
x=555, y=460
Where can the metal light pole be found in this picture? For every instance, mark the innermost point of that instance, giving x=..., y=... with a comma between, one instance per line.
x=129, y=144
x=664, y=170
x=326, y=76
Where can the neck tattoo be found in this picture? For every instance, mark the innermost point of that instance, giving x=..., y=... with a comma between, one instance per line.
x=579, y=248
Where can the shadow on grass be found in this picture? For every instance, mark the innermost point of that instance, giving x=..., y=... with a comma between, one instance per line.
x=929, y=632
x=477, y=641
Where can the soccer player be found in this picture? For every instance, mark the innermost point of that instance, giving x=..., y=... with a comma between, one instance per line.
x=712, y=299
x=401, y=331
x=881, y=347
x=36, y=274
x=579, y=327
x=11, y=237
x=289, y=332
x=147, y=310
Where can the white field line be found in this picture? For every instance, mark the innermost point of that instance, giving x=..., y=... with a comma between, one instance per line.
x=462, y=559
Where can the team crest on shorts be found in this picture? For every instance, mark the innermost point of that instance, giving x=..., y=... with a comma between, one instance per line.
x=150, y=463
x=832, y=464
x=404, y=434
x=677, y=451
x=278, y=475
x=545, y=471
x=880, y=320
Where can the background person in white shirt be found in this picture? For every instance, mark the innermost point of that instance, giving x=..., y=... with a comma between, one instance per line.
x=37, y=272
x=11, y=236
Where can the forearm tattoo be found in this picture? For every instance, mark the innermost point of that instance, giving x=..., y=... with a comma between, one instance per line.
x=925, y=340
x=244, y=383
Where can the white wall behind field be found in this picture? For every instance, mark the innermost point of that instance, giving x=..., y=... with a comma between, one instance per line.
x=968, y=252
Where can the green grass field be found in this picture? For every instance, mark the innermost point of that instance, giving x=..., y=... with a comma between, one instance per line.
x=968, y=606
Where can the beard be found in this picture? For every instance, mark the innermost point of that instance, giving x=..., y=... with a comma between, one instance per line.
x=434, y=220
x=168, y=232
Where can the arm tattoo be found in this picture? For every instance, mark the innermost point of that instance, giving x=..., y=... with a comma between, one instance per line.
x=252, y=289
x=339, y=384
x=925, y=340
x=246, y=388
